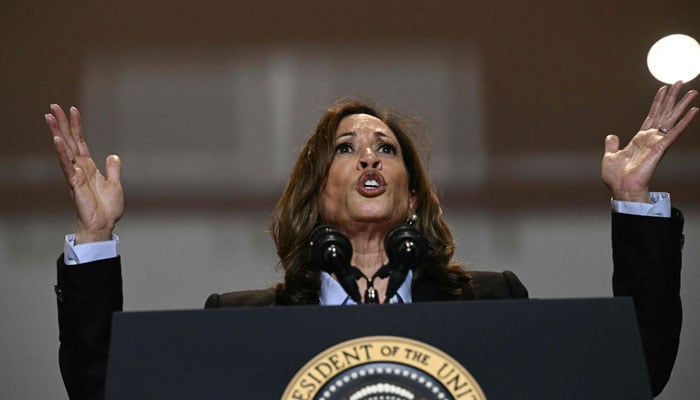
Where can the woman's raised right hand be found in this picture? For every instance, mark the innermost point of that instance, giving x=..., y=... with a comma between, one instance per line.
x=98, y=201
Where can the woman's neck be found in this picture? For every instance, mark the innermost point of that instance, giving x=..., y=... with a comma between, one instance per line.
x=369, y=256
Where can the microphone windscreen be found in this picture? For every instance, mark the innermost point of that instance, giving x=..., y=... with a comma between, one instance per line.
x=405, y=247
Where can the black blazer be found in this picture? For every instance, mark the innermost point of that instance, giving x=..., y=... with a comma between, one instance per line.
x=646, y=257
x=487, y=286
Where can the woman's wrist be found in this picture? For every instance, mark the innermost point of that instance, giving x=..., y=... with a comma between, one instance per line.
x=90, y=236
x=636, y=196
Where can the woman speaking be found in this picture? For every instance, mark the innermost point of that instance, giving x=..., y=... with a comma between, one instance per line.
x=359, y=187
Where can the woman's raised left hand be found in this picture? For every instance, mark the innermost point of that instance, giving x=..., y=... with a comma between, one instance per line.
x=627, y=171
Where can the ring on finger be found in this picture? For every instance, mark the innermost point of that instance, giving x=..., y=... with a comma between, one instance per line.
x=662, y=130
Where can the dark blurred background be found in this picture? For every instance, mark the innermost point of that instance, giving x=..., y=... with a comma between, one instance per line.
x=208, y=103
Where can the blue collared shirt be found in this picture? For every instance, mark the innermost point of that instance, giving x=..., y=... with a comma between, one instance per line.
x=332, y=294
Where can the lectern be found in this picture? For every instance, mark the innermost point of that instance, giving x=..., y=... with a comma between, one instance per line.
x=505, y=349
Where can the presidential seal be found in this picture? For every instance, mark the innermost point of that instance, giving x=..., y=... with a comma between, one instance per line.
x=383, y=367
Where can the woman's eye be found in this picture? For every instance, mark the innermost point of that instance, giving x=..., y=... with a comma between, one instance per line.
x=387, y=148
x=343, y=148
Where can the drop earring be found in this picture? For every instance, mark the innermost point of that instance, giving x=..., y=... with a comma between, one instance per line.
x=412, y=219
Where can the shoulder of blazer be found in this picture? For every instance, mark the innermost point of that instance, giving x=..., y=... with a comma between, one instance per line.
x=486, y=285
x=246, y=298
x=497, y=285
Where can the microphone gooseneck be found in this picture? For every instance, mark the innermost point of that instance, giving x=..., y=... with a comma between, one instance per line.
x=371, y=295
x=406, y=249
x=331, y=251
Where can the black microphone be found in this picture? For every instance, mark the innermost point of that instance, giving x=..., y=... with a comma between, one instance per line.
x=406, y=249
x=331, y=251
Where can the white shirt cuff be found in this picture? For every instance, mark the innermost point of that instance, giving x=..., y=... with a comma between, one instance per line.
x=87, y=252
x=660, y=206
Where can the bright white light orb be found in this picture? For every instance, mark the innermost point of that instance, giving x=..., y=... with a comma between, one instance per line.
x=674, y=58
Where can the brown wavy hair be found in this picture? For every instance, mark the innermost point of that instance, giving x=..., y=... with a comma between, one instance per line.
x=296, y=212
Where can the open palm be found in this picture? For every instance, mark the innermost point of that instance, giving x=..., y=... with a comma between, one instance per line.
x=98, y=201
x=627, y=171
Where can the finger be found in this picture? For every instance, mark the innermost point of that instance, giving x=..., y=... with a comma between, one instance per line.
x=57, y=134
x=651, y=121
x=67, y=166
x=670, y=101
x=612, y=144
x=113, y=166
x=680, y=107
x=76, y=124
x=682, y=124
x=64, y=127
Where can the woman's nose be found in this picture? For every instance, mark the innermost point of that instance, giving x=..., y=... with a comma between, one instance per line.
x=368, y=158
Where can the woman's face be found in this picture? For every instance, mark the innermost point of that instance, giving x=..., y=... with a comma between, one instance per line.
x=367, y=180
